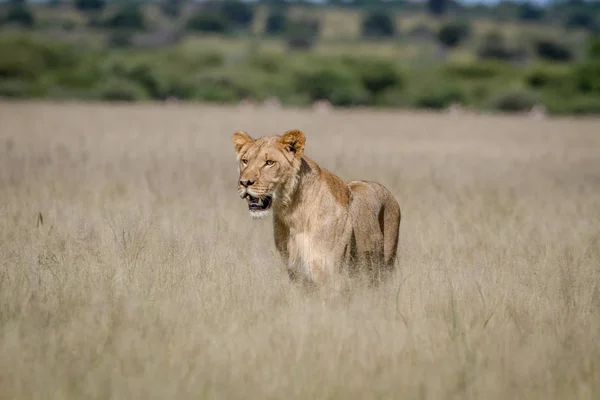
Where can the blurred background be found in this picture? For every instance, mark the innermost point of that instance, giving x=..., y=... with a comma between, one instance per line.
x=436, y=54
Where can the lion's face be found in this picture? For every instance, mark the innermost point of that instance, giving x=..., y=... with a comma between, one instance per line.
x=268, y=166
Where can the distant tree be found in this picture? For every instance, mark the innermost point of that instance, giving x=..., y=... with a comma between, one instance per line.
x=120, y=38
x=20, y=14
x=437, y=7
x=530, y=12
x=171, y=8
x=128, y=16
x=453, y=33
x=594, y=48
x=90, y=5
x=581, y=19
x=378, y=24
x=276, y=22
x=237, y=13
x=494, y=47
x=549, y=49
x=210, y=22
x=301, y=34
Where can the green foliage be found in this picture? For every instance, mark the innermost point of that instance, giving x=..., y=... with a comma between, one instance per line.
x=437, y=7
x=209, y=22
x=301, y=34
x=587, y=77
x=19, y=89
x=453, y=33
x=128, y=16
x=494, y=47
x=581, y=19
x=32, y=68
x=237, y=13
x=19, y=13
x=514, y=101
x=120, y=39
x=594, y=48
x=276, y=22
x=530, y=12
x=269, y=63
x=552, y=50
x=25, y=58
x=577, y=105
x=440, y=96
x=378, y=24
x=171, y=8
x=376, y=75
x=121, y=90
x=479, y=70
x=551, y=78
x=336, y=83
x=90, y=5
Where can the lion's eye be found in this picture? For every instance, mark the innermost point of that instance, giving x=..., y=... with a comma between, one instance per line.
x=269, y=162
x=244, y=161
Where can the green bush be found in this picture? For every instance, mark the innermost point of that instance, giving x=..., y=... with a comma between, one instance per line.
x=154, y=78
x=392, y=98
x=376, y=75
x=19, y=13
x=269, y=63
x=276, y=22
x=587, y=77
x=439, y=97
x=577, y=105
x=336, y=83
x=211, y=22
x=237, y=13
x=552, y=50
x=477, y=70
x=19, y=89
x=549, y=78
x=26, y=58
x=453, y=33
x=514, y=101
x=128, y=16
x=189, y=62
x=90, y=5
x=437, y=7
x=494, y=47
x=581, y=19
x=121, y=90
x=171, y=8
x=120, y=39
x=378, y=24
x=301, y=34
x=228, y=85
x=594, y=48
x=84, y=76
x=530, y=12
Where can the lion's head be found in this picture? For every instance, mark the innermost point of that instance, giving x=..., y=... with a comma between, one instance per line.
x=268, y=168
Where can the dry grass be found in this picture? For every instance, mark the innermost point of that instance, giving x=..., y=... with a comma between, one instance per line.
x=147, y=279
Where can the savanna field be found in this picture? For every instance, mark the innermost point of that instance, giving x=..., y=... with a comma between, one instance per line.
x=130, y=269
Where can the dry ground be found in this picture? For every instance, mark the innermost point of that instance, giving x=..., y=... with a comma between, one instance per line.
x=147, y=279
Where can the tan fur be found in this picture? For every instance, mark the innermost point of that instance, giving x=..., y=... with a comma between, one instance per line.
x=321, y=223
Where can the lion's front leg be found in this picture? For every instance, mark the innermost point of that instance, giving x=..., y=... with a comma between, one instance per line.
x=326, y=264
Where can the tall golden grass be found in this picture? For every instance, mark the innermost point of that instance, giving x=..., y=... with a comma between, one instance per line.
x=130, y=269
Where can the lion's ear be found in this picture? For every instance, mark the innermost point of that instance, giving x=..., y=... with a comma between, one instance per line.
x=294, y=141
x=239, y=139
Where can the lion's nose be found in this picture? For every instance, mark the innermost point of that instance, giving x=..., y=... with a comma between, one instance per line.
x=246, y=183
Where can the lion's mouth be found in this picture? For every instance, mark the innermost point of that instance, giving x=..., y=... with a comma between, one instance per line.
x=259, y=203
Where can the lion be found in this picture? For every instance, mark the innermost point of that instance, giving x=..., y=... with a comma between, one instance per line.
x=321, y=223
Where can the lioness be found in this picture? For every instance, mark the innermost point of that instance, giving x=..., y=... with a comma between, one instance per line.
x=321, y=223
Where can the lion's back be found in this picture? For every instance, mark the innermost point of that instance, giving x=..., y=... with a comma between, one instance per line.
x=371, y=194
